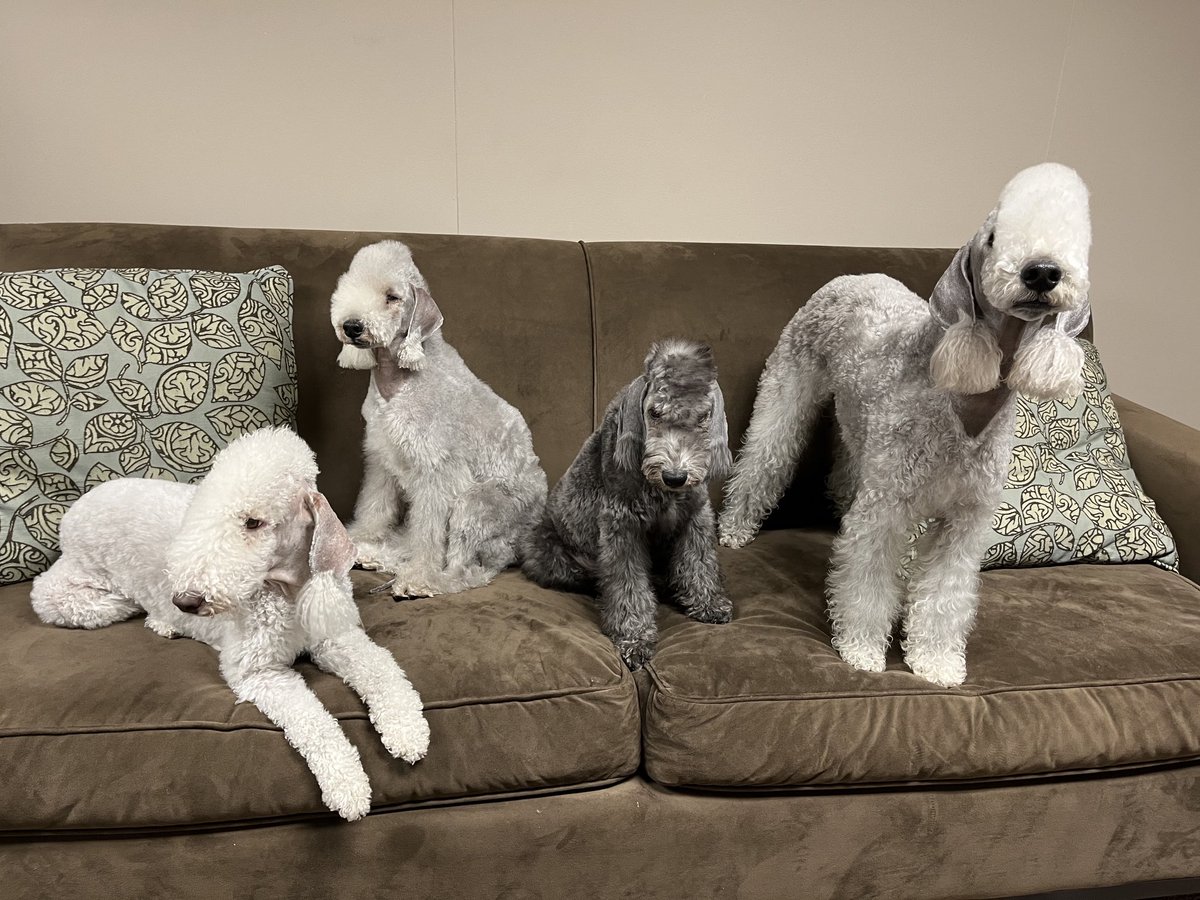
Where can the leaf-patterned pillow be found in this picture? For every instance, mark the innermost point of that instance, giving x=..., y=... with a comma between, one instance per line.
x=107, y=373
x=1071, y=495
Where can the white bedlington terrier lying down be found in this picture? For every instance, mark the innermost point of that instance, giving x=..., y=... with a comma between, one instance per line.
x=253, y=562
x=923, y=394
x=438, y=440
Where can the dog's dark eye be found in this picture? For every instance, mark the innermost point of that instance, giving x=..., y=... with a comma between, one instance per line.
x=704, y=419
x=655, y=412
x=252, y=524
x=991, y=239
x=393, y=297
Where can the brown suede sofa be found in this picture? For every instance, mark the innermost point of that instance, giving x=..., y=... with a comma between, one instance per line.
x=747, y=761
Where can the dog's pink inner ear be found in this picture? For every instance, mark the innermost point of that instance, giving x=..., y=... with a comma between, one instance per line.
x=331, y=549
x=289, y=564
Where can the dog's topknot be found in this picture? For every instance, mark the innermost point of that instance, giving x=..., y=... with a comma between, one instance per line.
x=688, y=365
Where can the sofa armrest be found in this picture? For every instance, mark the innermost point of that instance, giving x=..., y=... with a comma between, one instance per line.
x=1166, y=458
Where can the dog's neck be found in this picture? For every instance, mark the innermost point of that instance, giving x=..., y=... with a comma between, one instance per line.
x=389, y=377
x=977, y=411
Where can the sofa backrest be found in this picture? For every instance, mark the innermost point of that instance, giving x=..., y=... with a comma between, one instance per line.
x=557, y=328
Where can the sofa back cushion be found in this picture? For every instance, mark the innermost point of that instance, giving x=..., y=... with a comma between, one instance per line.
x=516, y=309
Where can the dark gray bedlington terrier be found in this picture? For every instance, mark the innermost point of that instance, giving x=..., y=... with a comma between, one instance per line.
x=634, y=504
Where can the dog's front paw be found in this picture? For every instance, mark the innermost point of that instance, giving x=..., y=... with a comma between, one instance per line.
x=735, y=536
x=161, y=628
x=945, y=670
x=374, y=556
x=348, y=795
x=864, y=659
x=717, y=611
x=407, y=737
x=636, y=652
x=413, y=585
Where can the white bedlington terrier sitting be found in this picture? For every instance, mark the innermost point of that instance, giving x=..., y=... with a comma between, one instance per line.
x=253, y=562
x=923, y=394
x=438, y=440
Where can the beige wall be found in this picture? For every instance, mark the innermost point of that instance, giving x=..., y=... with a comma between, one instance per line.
x=890, y=123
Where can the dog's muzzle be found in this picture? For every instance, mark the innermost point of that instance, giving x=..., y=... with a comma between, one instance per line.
x=354, y=331
x=192, y=602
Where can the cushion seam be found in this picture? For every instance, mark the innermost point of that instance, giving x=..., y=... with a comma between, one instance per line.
x=665, y=690
x=199, y=725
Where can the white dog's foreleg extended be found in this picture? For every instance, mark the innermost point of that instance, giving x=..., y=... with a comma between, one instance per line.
x=864, y=590
x=284, y=698
x=392, y=703
x=790, y=393
x=945, y=596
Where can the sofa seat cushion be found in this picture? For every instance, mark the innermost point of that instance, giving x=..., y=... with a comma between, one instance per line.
x=1070, y=669
x=121, y=729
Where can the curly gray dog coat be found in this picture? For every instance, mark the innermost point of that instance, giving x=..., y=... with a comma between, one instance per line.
x=923, y=394
x=634, y=503
x=439, y=441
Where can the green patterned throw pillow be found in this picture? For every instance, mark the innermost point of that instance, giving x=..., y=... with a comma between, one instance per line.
x=106, y=373
x=1071, y=494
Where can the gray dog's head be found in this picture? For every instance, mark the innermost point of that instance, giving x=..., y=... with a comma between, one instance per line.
x=671, y=422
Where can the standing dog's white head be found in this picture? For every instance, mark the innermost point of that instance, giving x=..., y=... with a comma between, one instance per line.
x=1029, y=261
x=382, y=300
x=255, y=521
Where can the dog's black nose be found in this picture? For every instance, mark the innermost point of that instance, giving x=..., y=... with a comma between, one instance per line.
x=674, y=479
x=353, y=329
x=1041, y=276
x=188, y=601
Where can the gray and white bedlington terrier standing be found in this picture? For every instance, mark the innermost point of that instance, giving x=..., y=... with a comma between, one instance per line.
x=634, y=504
x=443, y=451
x=923, y=394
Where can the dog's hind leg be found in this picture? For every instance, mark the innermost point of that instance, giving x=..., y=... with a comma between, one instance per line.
x=945, y=596
x=483, y=534
x=67, y=597
x=548, y=562
x=695, y=573
x=864, y=589
x=790, y=393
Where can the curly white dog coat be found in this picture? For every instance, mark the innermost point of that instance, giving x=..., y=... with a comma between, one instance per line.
x=255, y=563
x=438, y=439
x=924, y=403
x=635, y=497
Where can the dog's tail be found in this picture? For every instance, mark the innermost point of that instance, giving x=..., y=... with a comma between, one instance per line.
x=791, y=391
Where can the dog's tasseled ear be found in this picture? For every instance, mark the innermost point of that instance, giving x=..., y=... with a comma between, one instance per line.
x=953, y=296
x=1073, y=321
x=718, y=437
x=331, y=549
x=1049, y=366
x=424, y=320
x=353, y=357
x=967, y=358
x=631, y=425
